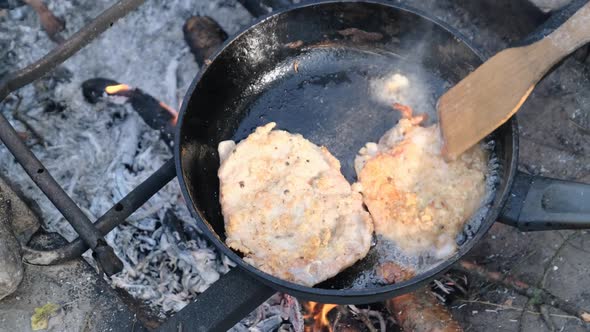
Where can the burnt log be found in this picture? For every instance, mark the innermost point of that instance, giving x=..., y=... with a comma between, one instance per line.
x=155, y=114
x=419, y=311
x=52, y=24
x=203, y=36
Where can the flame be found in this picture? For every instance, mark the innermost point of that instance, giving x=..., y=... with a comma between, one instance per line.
x=172, y=112
x=317, y=316
x=113, y=89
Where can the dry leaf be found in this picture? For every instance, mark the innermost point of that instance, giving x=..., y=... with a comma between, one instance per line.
x=586, y=317
x=40, y=319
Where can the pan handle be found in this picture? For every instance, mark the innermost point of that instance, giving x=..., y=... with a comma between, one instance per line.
x=538, y=203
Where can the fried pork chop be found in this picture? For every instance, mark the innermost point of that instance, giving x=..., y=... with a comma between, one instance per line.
x=416, y=199
x=288, y=208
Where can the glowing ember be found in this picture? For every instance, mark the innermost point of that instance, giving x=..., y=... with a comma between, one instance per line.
x=113, y=89
x=172, y=112
x=317, y=316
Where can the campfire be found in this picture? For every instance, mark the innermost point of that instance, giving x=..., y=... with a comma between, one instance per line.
x=126, y=91
x=155, y=113
x=102, y=123
x=317, y=316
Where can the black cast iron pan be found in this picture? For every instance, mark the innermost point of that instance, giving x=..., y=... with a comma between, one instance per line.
x=310, y=69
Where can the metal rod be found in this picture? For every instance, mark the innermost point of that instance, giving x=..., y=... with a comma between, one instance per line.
x=221, y=306
x=73, y=214
x=111, y=219
x=59, y=54
x=48, y=185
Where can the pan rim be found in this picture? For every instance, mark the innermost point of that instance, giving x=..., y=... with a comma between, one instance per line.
x=349, y=295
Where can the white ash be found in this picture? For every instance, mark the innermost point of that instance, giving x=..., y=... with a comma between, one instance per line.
x=99, y=153
x=172, y=272
x=280, y=313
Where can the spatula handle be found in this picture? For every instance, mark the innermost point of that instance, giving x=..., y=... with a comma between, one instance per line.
x=574, y=33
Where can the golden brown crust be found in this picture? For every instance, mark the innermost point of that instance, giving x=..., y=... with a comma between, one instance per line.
x=416, y=199
x=288, y=208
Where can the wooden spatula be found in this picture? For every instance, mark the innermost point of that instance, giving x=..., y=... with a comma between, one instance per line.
x=491, y=94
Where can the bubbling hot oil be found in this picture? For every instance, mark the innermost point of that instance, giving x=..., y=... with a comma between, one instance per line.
x=387, y=251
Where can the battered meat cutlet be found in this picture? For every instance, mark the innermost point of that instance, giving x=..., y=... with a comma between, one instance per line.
x=288, y=208
x=416, y=199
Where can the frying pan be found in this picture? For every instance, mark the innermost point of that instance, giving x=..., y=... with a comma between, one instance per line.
x=311, y=69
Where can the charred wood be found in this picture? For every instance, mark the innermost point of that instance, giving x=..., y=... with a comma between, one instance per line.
x=175, y=225
x=22, y=119
x=155, y=114
x=419, y=311
x=52, y=24
x=203, y=36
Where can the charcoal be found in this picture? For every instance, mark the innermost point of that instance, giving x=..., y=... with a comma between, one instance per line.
x=149, y=108
x=203, y=36
x=154, y=115
x=93, y=89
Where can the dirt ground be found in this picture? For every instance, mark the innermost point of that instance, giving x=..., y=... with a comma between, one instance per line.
x=553, y=143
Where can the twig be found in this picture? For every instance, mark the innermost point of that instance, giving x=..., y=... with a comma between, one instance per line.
x=455, y=284
x=377, y=314
x=20, y=117
x=537, y=295
x=439, y=297
x=546, y=318
x=442, y=287
x=509, y=307
x=337, y=320
x=51, y=24
x=522, y=314
x=363, y=317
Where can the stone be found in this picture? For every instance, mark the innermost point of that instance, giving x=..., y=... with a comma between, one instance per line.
x=11, y=267
x=23, y=219
x=86, y=301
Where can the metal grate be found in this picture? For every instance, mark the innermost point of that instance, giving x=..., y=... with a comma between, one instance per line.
x=222, y=305
x=90, y=234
